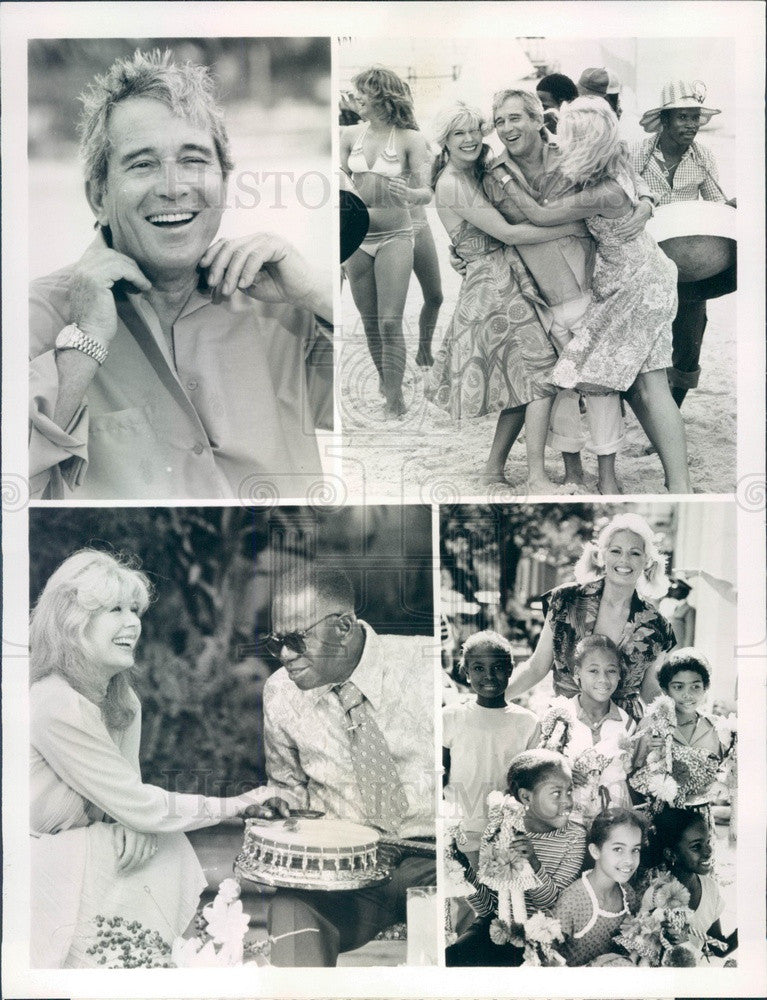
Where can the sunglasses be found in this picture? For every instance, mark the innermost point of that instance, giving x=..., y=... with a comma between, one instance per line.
x=275, y=642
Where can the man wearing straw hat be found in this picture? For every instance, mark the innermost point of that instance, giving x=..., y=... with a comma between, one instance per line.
x=677, y=168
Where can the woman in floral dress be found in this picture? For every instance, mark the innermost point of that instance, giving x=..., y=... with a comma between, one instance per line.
x=495, y=356
x=613, y=579
x=623, y=342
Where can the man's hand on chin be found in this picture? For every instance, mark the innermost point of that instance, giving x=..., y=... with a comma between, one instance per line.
x=91, y=300
x=268, y=268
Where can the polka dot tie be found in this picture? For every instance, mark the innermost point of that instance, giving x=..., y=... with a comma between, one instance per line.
x=382, y=793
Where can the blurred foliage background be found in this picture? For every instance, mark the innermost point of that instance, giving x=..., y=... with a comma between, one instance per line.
x=200, y=670
x=252, y=74
x=498, y=559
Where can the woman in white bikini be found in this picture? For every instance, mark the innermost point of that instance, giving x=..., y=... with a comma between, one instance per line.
x=384, y=155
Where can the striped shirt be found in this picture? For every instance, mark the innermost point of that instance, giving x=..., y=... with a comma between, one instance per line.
x=560, y=853
x=695, y=176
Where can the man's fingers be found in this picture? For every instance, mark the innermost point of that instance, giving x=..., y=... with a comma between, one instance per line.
x=112, y=267
x=237, y=262
x=208, y=257
x=280, y=806
x=253, y=264
x=218, y=261
x=134, y=274
x=240, y=266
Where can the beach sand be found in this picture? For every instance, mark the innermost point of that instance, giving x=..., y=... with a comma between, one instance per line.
x=426, y=457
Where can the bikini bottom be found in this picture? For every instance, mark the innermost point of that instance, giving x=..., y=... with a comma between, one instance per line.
x=373, y=243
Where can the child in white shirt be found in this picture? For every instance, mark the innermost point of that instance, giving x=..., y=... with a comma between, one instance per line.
x=482, y=736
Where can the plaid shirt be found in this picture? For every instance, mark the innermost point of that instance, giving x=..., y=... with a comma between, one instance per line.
x=696, y=175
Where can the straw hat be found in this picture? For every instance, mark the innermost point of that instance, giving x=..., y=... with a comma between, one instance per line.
x=598, y=82
x=679, y=94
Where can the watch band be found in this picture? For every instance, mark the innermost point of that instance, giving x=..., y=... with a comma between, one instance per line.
x=73, y=338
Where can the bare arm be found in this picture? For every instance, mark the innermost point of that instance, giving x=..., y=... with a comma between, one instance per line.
x=649, y=689
x=467, y=202
x=532, y=671
x=606, y=198
x=418, y=160
x=345, y=143
x=731, y=941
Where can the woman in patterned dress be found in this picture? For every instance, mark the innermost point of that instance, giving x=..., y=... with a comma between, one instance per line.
x=623, y=342
x=495, y=356
x=614, y=578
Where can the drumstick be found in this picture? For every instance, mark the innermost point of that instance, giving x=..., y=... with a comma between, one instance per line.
x=716, y=182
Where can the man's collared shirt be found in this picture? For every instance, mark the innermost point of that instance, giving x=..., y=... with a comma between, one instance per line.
x=307, y=746
x=562, y=268
x=696, y=175
x=224, y=415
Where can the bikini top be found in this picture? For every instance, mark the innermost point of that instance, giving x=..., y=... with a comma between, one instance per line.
x=387, y=162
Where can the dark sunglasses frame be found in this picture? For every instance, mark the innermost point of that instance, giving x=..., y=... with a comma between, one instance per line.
x=274, y=642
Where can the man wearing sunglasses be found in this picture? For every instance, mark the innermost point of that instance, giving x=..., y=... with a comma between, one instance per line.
x=348, y=726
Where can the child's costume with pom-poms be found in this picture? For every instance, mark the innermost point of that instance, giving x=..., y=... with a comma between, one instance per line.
x=680, y=773
x=664, y=931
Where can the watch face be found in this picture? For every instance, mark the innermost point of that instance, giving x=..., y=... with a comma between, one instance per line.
x=66, y=337
x=72, y=337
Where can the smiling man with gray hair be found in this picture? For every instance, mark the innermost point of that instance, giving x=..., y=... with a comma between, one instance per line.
x=561, y=268
x=165, y=365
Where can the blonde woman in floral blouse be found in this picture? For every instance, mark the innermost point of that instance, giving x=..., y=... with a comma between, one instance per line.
x=614, y=579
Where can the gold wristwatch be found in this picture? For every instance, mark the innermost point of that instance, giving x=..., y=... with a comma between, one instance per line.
x=73, y=338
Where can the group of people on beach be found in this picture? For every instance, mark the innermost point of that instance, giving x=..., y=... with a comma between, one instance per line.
x=567, y=304
x=602, y=800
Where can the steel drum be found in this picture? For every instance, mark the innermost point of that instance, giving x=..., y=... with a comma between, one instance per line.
x=319, y=854
x=700, y=237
